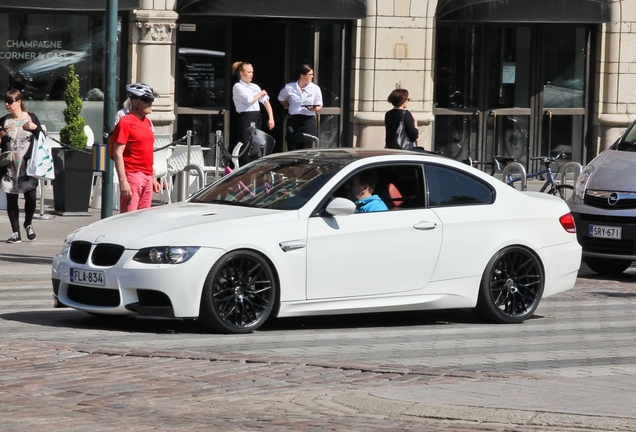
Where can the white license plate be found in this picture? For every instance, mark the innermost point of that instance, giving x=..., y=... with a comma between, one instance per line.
x=87, y=277
x=605, y=232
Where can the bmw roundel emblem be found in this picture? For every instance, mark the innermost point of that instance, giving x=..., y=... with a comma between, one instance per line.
x=99, y=238
x=613, y=199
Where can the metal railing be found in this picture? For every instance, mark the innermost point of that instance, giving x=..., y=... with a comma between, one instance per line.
x=575, y=167
x=522, y=174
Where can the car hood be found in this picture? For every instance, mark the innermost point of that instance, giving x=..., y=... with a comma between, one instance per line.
x=181, y=223
x=614, y=171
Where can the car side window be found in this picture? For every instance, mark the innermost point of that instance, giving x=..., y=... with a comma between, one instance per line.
x=449, y=187
x=400, y=186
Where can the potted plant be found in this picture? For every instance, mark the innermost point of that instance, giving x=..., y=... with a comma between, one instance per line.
x=73, y=164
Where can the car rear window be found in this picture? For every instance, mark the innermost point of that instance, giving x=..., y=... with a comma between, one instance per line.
x=450, y=187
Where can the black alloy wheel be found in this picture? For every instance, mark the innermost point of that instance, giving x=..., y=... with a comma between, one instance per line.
x=511, y=286
x=239, y=294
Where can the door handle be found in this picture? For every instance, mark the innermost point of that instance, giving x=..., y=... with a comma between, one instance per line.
x=425, y=226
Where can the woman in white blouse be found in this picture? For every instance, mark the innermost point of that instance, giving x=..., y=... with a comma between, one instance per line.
x=303, y=99
x=246, y=96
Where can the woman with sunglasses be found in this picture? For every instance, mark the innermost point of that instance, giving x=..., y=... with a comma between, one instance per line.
x=18, y=130
x=399, y=98
x=133, y=151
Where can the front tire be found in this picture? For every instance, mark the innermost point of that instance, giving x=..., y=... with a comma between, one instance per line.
x=607, y=267
x=239, y=293
x=511, y=287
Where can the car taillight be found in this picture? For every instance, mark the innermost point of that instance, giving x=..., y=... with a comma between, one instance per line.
x=567, y=222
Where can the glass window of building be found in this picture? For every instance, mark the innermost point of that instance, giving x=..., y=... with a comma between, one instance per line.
x=36, y=51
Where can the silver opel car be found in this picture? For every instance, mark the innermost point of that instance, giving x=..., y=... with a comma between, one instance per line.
x=604, y=207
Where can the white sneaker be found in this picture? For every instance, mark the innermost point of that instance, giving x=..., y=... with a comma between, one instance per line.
x=30, y=232
x=15, y=238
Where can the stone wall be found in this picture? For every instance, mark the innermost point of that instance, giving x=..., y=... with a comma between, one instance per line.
x=152, y=56
x=616, y=73
x=393, y=48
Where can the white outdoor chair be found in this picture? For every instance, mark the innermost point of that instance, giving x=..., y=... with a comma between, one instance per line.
x=235, y=154
x=160, y=166
x=179, y=159
x=96, y=192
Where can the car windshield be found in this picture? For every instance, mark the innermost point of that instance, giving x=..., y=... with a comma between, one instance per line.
x=279, y=183
x=628, y=143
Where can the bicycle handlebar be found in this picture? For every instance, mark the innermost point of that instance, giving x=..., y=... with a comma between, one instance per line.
x=547, y=159
x=496, y=162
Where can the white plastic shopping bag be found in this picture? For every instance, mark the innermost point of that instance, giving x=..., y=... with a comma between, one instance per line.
x=41, y=163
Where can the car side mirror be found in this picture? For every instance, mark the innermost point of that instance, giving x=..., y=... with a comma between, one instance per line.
x=341, y=207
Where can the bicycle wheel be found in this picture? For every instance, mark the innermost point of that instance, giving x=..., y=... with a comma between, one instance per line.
x=563, y=191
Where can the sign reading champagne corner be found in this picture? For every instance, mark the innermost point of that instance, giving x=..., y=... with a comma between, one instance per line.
x=30, y=50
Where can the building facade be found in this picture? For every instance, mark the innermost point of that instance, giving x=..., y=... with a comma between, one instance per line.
x=489, y=77
x=485, y=77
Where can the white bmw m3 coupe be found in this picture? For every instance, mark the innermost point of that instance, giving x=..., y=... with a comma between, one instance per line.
x=282, y=237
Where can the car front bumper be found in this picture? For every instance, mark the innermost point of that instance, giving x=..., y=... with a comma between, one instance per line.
x=624, y=249
x=131, y=287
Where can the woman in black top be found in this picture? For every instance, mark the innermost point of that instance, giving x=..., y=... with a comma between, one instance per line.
x=18, y=132
x=399, y=98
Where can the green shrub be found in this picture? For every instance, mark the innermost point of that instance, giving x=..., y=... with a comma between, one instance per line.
x=73, y=133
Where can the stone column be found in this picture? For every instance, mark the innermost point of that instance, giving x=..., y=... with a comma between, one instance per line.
x=152, y=57
x=617, y=73
x=394, y=48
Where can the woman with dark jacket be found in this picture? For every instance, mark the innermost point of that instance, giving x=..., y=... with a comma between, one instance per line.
x=18, y=131
x=399, y=98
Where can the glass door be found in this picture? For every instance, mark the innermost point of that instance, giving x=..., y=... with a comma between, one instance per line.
x=564, y=89
x=506, y=125
x=201, y=80
x=516, y=91
x=322, y=46
x=458, y=95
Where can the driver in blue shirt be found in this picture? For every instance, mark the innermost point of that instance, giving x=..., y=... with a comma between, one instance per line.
x=360, y=189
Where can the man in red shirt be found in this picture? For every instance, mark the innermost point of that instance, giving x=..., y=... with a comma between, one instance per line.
x=133, y=152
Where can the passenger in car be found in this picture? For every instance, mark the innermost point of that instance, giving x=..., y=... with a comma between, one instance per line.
x=360, y=189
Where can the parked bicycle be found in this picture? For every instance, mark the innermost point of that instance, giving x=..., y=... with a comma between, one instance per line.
x=551, y=186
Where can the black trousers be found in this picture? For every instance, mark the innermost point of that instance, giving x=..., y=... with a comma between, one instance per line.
x=296, y=126
x=245, y=120
x=30, y=200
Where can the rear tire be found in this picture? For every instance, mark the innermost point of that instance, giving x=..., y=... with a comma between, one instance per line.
x=563, y=191
x=511, y=287
x=606, y=266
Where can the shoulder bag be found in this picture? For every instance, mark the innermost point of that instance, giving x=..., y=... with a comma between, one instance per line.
x=401, y=140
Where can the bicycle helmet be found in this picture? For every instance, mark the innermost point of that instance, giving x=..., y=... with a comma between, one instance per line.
x=141, y=90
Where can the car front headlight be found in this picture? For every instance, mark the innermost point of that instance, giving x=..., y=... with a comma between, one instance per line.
x=581, y=182
x=165, y=254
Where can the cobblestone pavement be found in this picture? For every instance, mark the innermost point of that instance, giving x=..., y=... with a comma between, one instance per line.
x=63, y=370
x=49, y=388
